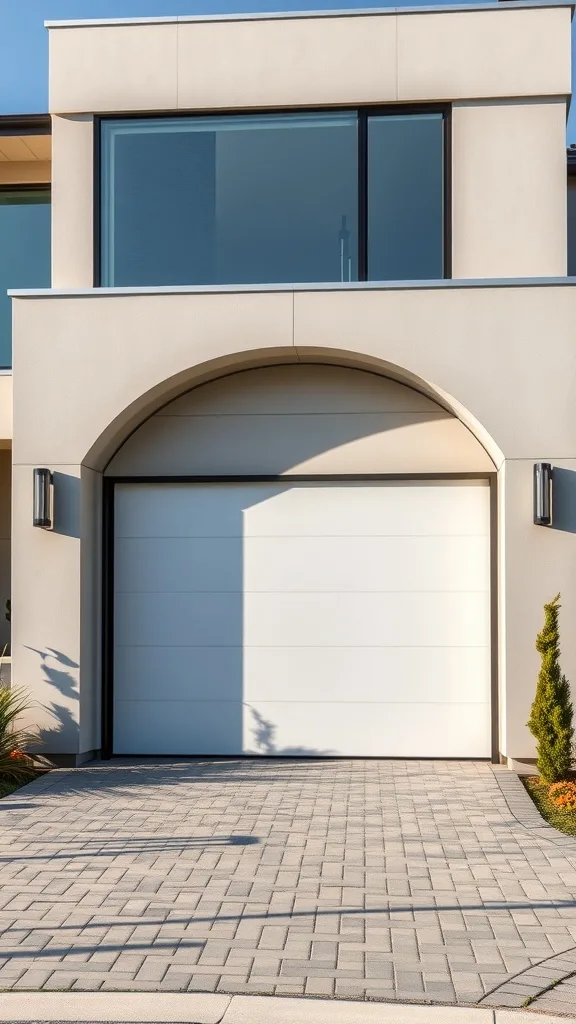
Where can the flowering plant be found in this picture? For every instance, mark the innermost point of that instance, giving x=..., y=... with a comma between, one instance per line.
x=14, y=762
x=563, y=795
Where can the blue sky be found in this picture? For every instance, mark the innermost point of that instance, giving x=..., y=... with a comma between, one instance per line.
x=23, y=39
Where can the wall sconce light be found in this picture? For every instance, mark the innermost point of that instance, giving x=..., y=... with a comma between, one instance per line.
x=542, y=494
x=43, y=493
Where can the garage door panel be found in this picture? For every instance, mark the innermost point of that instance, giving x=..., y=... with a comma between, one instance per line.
x=142, y=510
x=160, y=564
x=373, y=674
x=365, y=564
x=177, y=727
x=367, y=730
x=304, y=619
x=180, y=673
x=337, y=618
x=276, y=728
x=225, y=510
x=291, y=673
x=179, y=619
x=176, y=564
x=396, y=508
x=358, y=620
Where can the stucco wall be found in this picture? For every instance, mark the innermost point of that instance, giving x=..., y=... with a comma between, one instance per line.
x=107, y=362
x=506, y=354
x=187, y=63
x=56, y=600
x=538, y=563
x=72, y=201
x=509, y=210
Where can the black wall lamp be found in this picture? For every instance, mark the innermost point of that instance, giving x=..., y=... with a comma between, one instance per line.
x=542, y=494
x=43, y=499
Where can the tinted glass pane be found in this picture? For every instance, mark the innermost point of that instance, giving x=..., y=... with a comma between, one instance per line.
x=405, y=197
x=571, y=227
x=229, y=200
x=24, y=253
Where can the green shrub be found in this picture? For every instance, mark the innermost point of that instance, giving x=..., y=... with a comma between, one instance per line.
x=550, y=719
x=14, y=761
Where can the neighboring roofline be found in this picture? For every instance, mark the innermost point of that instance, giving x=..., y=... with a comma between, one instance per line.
x=25, y=124
x=41, y=124
x=484, y=5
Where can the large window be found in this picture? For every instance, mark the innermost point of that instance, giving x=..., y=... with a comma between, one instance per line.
x=24, y=252
x=272, y=198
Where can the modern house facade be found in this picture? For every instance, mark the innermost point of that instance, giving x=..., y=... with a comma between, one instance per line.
x=308, y=332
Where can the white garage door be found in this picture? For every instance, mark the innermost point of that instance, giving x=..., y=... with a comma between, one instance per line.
x=305, y=618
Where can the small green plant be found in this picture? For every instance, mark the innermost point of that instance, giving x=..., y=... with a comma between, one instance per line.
x=550, y=719
x=15, y=763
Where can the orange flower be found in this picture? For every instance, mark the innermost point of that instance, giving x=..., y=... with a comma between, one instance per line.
x=563, y=795
x=19, y=755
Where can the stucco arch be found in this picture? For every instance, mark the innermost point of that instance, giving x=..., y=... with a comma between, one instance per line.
x=117, y=432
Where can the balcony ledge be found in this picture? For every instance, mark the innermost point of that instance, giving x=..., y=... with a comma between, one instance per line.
x=354, y=286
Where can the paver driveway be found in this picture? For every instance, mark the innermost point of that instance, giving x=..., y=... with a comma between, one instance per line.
x=408, y=880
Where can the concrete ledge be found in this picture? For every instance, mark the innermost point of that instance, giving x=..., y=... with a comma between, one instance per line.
x=206, y=1008
x=279, y=1010
x=525, y=767
x=446, y=283
x=163, y=1008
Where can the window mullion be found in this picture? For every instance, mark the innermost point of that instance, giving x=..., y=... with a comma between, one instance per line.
x=362, y=196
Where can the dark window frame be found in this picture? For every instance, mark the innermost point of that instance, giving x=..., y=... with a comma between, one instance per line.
x=27, y=186
x=363, y=113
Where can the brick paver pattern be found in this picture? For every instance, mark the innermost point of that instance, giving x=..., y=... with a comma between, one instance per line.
x=377, y=879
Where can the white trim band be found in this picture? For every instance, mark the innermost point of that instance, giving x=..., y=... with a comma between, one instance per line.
x=487, y=5
x=329, y=286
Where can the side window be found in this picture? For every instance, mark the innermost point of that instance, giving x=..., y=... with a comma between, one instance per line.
x=24, y=252
x=405, y=197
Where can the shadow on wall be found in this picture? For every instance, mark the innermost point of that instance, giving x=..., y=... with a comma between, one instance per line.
x=66, y=505
x=264, y=733
x=564, y=492
x=63, y=735
x=183, y=626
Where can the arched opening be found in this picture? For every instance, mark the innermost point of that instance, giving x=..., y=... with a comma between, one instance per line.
x=146, y=405
x=299, y=418
x=301, y=567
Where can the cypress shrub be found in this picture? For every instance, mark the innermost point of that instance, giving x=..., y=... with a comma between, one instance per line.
x=550, y=719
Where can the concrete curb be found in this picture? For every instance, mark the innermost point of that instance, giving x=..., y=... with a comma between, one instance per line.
x=524, y=810
x=206, y=1008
